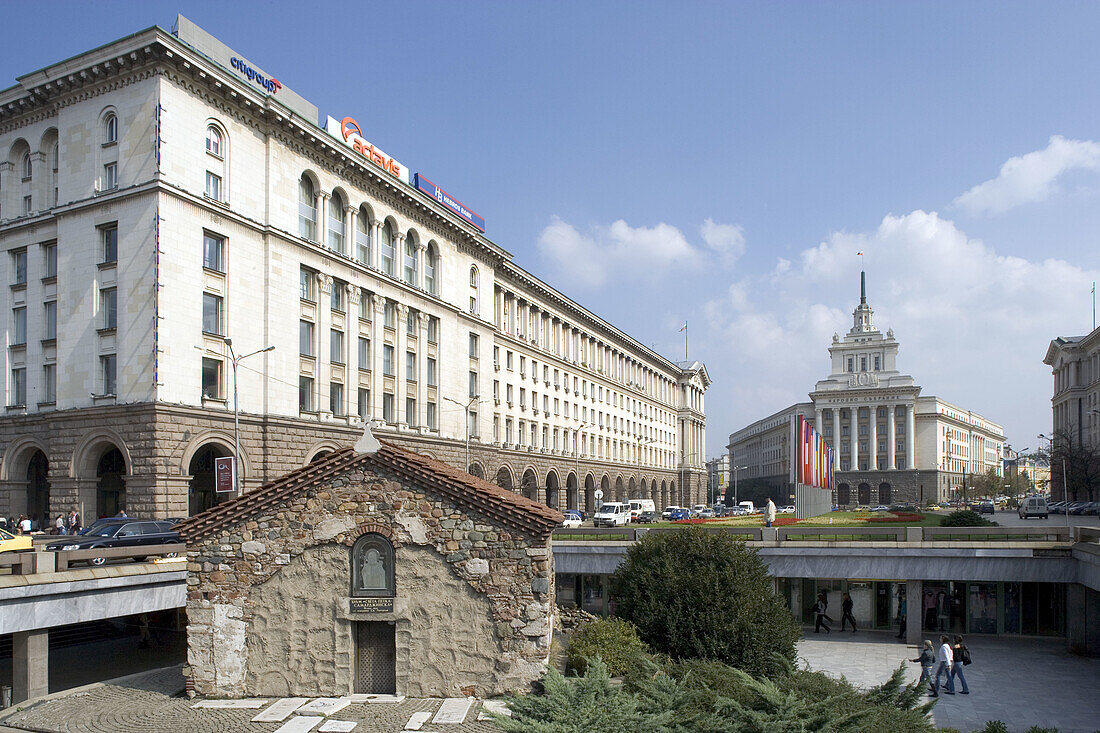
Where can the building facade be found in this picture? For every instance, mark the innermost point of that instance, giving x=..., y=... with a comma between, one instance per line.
x=1075, y=405
x=186, y=239
x=892, y=443
x=718, y=476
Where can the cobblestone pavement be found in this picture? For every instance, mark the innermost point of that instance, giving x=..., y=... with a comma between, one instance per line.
x=1019, y=681
x=149, y=703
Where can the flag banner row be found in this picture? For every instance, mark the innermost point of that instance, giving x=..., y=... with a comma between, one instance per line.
x=813, y=461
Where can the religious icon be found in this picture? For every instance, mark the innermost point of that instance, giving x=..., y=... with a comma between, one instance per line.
x=372, y=571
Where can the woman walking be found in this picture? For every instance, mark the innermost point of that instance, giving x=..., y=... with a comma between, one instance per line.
x=960, y=657
x=819, y=615
x=944, y=659
x=927, y=660
x=846, y=606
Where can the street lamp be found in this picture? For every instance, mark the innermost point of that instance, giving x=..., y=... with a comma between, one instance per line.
x=467, y=407
x=1016, y=478
x=734, y=470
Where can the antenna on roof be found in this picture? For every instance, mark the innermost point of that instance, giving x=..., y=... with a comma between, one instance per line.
x=367, y=444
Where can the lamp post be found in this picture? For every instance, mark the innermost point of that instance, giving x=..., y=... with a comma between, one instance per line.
x=466, y=408
x=235, y=360
x=734, y=470
x=1016, y=478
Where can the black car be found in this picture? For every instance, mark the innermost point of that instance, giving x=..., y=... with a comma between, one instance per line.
x=122, y=532
x=985, y=507
x=648, y=518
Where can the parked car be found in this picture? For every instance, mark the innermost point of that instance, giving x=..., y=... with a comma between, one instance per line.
x=667, y=513
x=863, y=508
x=120, y=533
x=1092, y=508
x=986, y=507
x=1033, y=506
x=637, y=506
x=1058, y=507
x=648, y=518
x=707, y=513
x=737, y=511
x=612, y=514
x=13, y=542
x=789, y=509
x=880, y=508
x=1077, y=507
x=572, y=520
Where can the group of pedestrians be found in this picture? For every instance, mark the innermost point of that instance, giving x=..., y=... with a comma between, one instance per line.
x=948, y=662
x=821, y=615
x=62, y=525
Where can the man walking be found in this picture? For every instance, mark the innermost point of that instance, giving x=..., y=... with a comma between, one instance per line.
x=769, y=513
x=945, y=657
x=819, y=616
x=846, y=606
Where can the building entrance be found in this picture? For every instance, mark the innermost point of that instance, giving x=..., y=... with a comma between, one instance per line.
x=376, y=672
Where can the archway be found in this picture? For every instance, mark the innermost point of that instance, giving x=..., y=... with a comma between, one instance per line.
x=864, y=494
x=320, y=454
x=632, y=489
x=589, y=493
x=571, y=493
x=530, y=485
x=885, y=493
x=38, y=489
x=110, y=483
x=664, y=496
x=620, y=492
x=476, y=470
x=552, y=490
x=200, y=490
x=843, y=494
x=605, y=487
x=504, y=478
x=672, y=498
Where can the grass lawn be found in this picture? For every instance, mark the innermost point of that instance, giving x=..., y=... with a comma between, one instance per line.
x=843, y=519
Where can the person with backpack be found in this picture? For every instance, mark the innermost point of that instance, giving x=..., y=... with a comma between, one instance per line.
x=960, y=657
x=927, y=660
x=819, y=615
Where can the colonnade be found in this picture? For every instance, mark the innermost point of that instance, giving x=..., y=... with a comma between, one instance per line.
x=891, y=430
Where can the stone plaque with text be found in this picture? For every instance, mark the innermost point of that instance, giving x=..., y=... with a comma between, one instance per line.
x=371, y=605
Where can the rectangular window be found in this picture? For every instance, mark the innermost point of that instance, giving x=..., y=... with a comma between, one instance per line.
x=18, y=386
x=471, y=423
x=433, y=330
x=362, y=403
x=108, y=307
x=850, y=364
x=387, y=407
x=213, y=186
x=364, y=354
x=387, y=360
x=110, y=244
x=107, y=365
x=473, y=304
x=305, y=394
x=474, y=390
x=390, y=312
x=49, y=310
x=305, y=338
x=19, y=265
x=863, y=363
x=49, y=383
x=429, y=415
x=508, y=360
x=410, y=366
x=364, y=305
x=336, y=399
x=336, y=300
x=878, y=363
x=307, y=281
x=336, y=346
x=110, y=176
x=473, y=346
x=211, y=313
x=211, y=378
x=410, y=322
x=335, y=228
x=27, y=206
x=19, y=333
x=212, y=251
x=509, y=388
x=410, y=411
x=431, y=373
x=49, y=260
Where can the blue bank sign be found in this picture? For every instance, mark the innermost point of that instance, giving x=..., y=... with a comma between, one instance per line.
x=447, y=200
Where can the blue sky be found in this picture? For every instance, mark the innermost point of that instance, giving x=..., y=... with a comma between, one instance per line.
x=722, y=163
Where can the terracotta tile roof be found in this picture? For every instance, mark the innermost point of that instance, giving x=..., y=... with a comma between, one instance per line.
x=508, y=508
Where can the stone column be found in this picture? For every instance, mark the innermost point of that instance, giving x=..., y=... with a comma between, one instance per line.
x=377, y=339
x=400, y=345
x=324, y=324
x=16, y=494
x=914, y=611
x=421, y=255
x=836, y=434
x=422, y=370
x=351, y=357
x=819, y=424
x=910, y=436
x=873, y=413
x=30, y=664
x=349, y=233
x=891, y=437
x=322, y=218
x=853, y=437
x=376, y=247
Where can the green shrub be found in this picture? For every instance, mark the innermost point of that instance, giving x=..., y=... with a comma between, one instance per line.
x=965, y=518
x=704, y=595
x=613, y=640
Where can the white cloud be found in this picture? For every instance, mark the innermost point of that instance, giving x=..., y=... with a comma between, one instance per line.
x=643, y=254
x=1031, y=177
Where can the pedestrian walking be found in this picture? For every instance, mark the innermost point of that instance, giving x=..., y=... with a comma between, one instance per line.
x=59, y=524
x=819, y=617
x=824, y=596
x=24, y=524
x=769, y=513
x=846, y=606
x=903, y=612
x=944, y=658
x=927, y=660
x=74, y=522
x=960, y=657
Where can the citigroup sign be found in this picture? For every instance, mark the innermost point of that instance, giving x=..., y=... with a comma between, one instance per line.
x=271, y=85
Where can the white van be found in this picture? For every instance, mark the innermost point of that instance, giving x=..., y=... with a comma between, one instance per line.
x=612, y=514
x=637, y=506
x=1033, y=506
x=749, y=508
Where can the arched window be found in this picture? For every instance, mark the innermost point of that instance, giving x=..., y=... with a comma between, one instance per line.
x=307, y=212
x=336, y=222
x=362, y=237
x=473, y=290
x=110, y=128
x=389, y=249
x=372, y=560
x=430, y=257
x=213, y=141
x=53, y=171
x=411, y=255
x=26, y=167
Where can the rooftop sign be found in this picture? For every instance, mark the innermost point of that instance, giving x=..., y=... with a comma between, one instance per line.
x=349, y=132
x=445, y=198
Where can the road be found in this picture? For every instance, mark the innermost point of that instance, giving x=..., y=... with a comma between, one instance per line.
x=1011, y=519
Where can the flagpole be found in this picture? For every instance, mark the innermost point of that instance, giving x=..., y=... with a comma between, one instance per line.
x=1094, y=305
x=686, y=339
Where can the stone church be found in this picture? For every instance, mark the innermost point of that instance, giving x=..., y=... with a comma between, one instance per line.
x=372, y=570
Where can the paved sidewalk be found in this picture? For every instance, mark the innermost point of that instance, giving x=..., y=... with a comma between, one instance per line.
x=1021, y=682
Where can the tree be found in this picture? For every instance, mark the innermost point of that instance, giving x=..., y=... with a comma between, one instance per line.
x=704, y=595
x=1082, y=466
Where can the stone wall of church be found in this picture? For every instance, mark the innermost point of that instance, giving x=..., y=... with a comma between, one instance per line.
x=268, y=598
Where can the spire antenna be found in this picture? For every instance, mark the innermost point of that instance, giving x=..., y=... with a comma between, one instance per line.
x=862, y=287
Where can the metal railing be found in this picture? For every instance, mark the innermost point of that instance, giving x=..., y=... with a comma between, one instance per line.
x=28, y=562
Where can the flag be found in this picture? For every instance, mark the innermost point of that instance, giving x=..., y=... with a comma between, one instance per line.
x=684, y=327
x=859, y=254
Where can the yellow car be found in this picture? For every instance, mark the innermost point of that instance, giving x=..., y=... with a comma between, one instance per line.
x=11, y=542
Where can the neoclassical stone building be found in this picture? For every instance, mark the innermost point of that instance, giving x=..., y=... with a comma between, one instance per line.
x=168, y=210
x=1074, y=362
x=373, y=570
x=893, y=443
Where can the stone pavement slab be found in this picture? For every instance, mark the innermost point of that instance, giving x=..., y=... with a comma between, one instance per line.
x=338, y=726
x=300, y=724
x=280, y=710
x=453, y=710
